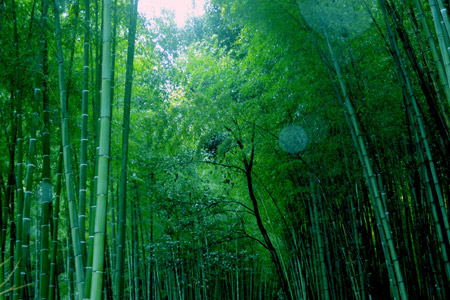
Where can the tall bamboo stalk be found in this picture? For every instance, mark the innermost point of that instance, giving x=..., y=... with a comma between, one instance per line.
x=121, y=230
x=424, y=148
x=8, y=202
x=84, y=129
x=70, y=190
x=26, y=218
x=53, y=282
x=16, y=95
x=46, y=173
x=324, y=289
x=95, y=79
x=103, y=159
x=379, y=209
x=442, y=41
x=434, y=49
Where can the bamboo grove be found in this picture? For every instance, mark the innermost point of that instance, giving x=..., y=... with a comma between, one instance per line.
x=283, y=149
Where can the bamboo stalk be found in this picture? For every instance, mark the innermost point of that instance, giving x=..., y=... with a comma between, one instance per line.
x=103, y=160
x=84, y=130
x=55, y=219
x=79, y=266
x=121, y=232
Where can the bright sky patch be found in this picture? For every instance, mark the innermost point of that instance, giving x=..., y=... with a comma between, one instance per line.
x=183, y=8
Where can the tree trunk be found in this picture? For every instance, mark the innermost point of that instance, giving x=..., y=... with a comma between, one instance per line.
x=273, y=253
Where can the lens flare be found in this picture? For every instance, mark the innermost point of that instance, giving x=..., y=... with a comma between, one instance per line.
x=293, y=139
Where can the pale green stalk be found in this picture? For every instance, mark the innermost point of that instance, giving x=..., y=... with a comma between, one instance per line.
x=103, y=159
x=84, y=132
x=28, y=191
x=443, y=45
x=434, y=49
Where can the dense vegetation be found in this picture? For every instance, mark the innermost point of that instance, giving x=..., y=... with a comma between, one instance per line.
x=271, y=149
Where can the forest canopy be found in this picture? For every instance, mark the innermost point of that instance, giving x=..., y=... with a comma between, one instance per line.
x=283, y=149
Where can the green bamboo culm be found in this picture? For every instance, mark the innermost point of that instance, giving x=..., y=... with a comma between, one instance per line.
x=119, y=265
x=103, y=159
x=84, y=132
x=379, y=210
x=26, y=217
x=320, y=243
x=70, y=189
x=19, y=195
x=17, y=98
x=46, y=185
x=434, y=49
x=422, y=144
x=442, y=41
x=95, y=79
x=55, y=219
x=384, y=227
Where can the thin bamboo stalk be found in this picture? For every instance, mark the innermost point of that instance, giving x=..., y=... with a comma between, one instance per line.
x=17, y=95
x=415, y=114
x=55, y=219
x=79, y=266
x=379, y=209
x=46, y=189
x=30, y=167
x=121, y=232
x=84, y=130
